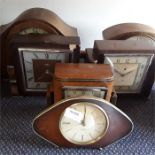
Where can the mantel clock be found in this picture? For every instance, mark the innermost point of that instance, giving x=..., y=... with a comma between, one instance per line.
x=75, y=80
x=35, y=60
x=134, y=64
x=82, y=122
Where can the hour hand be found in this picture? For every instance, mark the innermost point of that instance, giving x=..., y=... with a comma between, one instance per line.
x=118, y=72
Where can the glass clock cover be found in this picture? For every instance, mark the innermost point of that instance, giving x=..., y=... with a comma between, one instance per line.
x=83, y=123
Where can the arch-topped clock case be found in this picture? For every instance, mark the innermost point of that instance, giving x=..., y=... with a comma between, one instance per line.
x=37, y=23
x=127, y=30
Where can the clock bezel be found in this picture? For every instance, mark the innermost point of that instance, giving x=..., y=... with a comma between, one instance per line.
x=95, y=139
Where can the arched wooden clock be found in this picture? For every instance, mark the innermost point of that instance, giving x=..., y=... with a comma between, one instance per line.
x=44, y=25
x=127, y=30
x=82, y=122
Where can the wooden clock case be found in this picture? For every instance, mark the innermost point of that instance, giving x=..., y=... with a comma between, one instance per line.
x=85, y=75
x=102, y=48
x=46, y=124
x=37, y=18
x=39, y=28
x=43, y=43
x=127, y=30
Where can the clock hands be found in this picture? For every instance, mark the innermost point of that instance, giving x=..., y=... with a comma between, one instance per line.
x=83, y=122
x=126, y=72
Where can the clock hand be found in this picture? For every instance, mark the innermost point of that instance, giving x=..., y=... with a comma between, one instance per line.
x=118, y=72
x=125, y=73
x=83, y=122
x=128, y=72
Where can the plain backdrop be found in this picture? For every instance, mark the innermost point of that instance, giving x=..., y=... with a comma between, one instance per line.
x=90, y=17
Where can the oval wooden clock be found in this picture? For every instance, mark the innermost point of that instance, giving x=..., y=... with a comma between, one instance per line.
x=82, y=122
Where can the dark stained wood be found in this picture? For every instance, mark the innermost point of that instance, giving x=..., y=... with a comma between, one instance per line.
x=47, y=39
x=126, y=30
x=46, y=124
x=92, y=75
x=123, y=46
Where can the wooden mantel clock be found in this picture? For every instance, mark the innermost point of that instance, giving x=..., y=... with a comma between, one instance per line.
x=35, y=58
x=37, y=21
x=75, y=80
x=134, y=64
x=82, y=122
x=37, y=28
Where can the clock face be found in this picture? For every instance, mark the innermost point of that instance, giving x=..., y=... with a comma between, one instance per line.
x=83, y=123
x=84, y=91
x=38, y=66
x=130, y=71
x=142, y=37
x=32, y=30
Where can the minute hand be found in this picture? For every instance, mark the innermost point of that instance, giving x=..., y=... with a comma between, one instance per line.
x=123, y=74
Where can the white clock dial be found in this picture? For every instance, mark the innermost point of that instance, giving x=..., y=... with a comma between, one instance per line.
x=85, y=91
x=123, y=74
x=29, y=59
x=83, y=123
x=129, y=71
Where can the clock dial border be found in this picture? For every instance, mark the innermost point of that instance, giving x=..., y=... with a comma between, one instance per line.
x=94, y=139
x=149, y=63
x=21, y=68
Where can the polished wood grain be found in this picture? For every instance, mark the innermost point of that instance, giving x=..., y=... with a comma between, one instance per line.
x=46, y=124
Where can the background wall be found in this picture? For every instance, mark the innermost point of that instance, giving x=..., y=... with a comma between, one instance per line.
x=90, y=17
